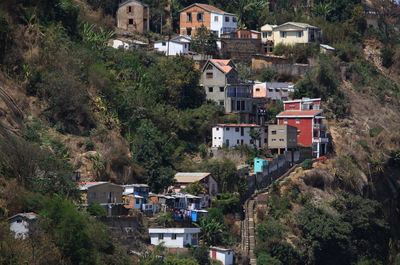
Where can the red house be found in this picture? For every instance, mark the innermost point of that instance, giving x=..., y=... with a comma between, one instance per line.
x=305, y=114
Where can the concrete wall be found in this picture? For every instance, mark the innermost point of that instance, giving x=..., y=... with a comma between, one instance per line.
x=240, y=50
x=284, y=137
x=194, y=24
x=220, y=135
x=139, y=14
x=105, y=193
x=225, y=257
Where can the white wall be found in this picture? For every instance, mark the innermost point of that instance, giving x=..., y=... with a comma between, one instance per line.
x=224, y=257
x=216, y=25
x=174, y=48
x=20, y=229
x=229, y=24
x=182, y=239
x=118, y=43
x=221, y=134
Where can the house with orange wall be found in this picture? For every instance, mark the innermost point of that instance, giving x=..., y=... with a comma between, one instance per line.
x=194, y=16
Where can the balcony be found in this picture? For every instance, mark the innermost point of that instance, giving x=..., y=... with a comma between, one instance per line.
x=320, y=140
x=321, y=127
x=239, y=92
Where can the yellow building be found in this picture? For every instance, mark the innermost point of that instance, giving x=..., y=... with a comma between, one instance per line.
x=290, y=33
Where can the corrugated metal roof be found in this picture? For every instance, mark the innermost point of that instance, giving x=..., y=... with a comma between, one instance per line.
x=297, y=24
x=237, y=125
x=208, y=8
x=190, y=177
x=87, y=185
x=30, y=215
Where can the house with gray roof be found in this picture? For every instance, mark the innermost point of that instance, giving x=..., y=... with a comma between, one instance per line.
x=22, y=224
x=184, y=179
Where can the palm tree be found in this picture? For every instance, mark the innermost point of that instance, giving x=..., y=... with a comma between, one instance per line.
x=211, y=231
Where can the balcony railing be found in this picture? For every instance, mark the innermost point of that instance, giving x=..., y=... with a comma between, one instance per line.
x=320, y=126
x=320, y=140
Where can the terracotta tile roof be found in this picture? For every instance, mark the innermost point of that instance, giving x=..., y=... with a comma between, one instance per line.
x=208, y=8
x=222, y=64
x=299, y=113
x=237, y=125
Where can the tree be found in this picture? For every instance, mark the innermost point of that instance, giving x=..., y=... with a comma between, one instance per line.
x=204, y=42
x=210, y=231
x=255, y=135
x=265, y=258
x=195, y=188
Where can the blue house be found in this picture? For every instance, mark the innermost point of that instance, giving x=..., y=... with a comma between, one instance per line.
x=137, y=189
x=259, y=164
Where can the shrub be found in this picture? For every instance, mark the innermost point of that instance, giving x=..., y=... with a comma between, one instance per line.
x=97, y=210
x=347, y=51
x=307, y=164
x=375, y=131
x=265, y=258
x=285, y=252
x=266, y=75
x=271, y=230
x=387, y=54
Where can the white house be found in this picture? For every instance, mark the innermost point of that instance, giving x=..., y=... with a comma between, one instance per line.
x=222, y=254
x=174, y=237
x=231, y=135
x=20, y=223
x=192, y=17
x=175, y=46
x=272, y=90
x=266, y=33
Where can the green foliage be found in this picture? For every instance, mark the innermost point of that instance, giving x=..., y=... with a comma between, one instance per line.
x=204, y=42
x=228, y=203
x=266, y=75
x=109, y=6
x=195, y=189
x=307, y=164
x=225, y=173
x=97, y=210
x=375, y=131
x=265, y=258
x=216, y=214
x=164, y=219
x=271, y=231
x=201, y=254
x=323, y=83
x=285, y=253
x=347, y=51
x=355, y=233
x=95, y=37
x=70, y=230
x=211, y=231
x=279, y=206
x=298, y=53
x=387, y=54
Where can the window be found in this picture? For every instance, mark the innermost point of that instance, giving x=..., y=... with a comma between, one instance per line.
x=221, y=102
x=236, y=129
x=234, y=19
x=273, y=140
x=188, y=17
x=291, y=107
x=273, y=132
x=251, y=141
x=210, y=89
x=19, y=221
x=130, y=21
x=299, y=34
x=209, y=67
x=281, y=140
x=129, y=9
x=237, y=141
x=102, y=195
x=200, y=17
x=137, y=201
x=216, y=18
x=217, y=129
x=265, y=34
x=226, y=19
x=283, y=34
x=92, y=195
x=297, y=121
x=164, y=43
x=270, y=90
x=265, y=140
x=227, y=128
x=285, y=121
x=221, y=89
x=209, y=75
x=173, y=236
x=160, y=236
x=257, y=89
x=189, y=31
x=185, y=45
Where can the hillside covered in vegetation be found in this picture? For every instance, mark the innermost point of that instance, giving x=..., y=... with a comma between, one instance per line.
x=69, y=103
